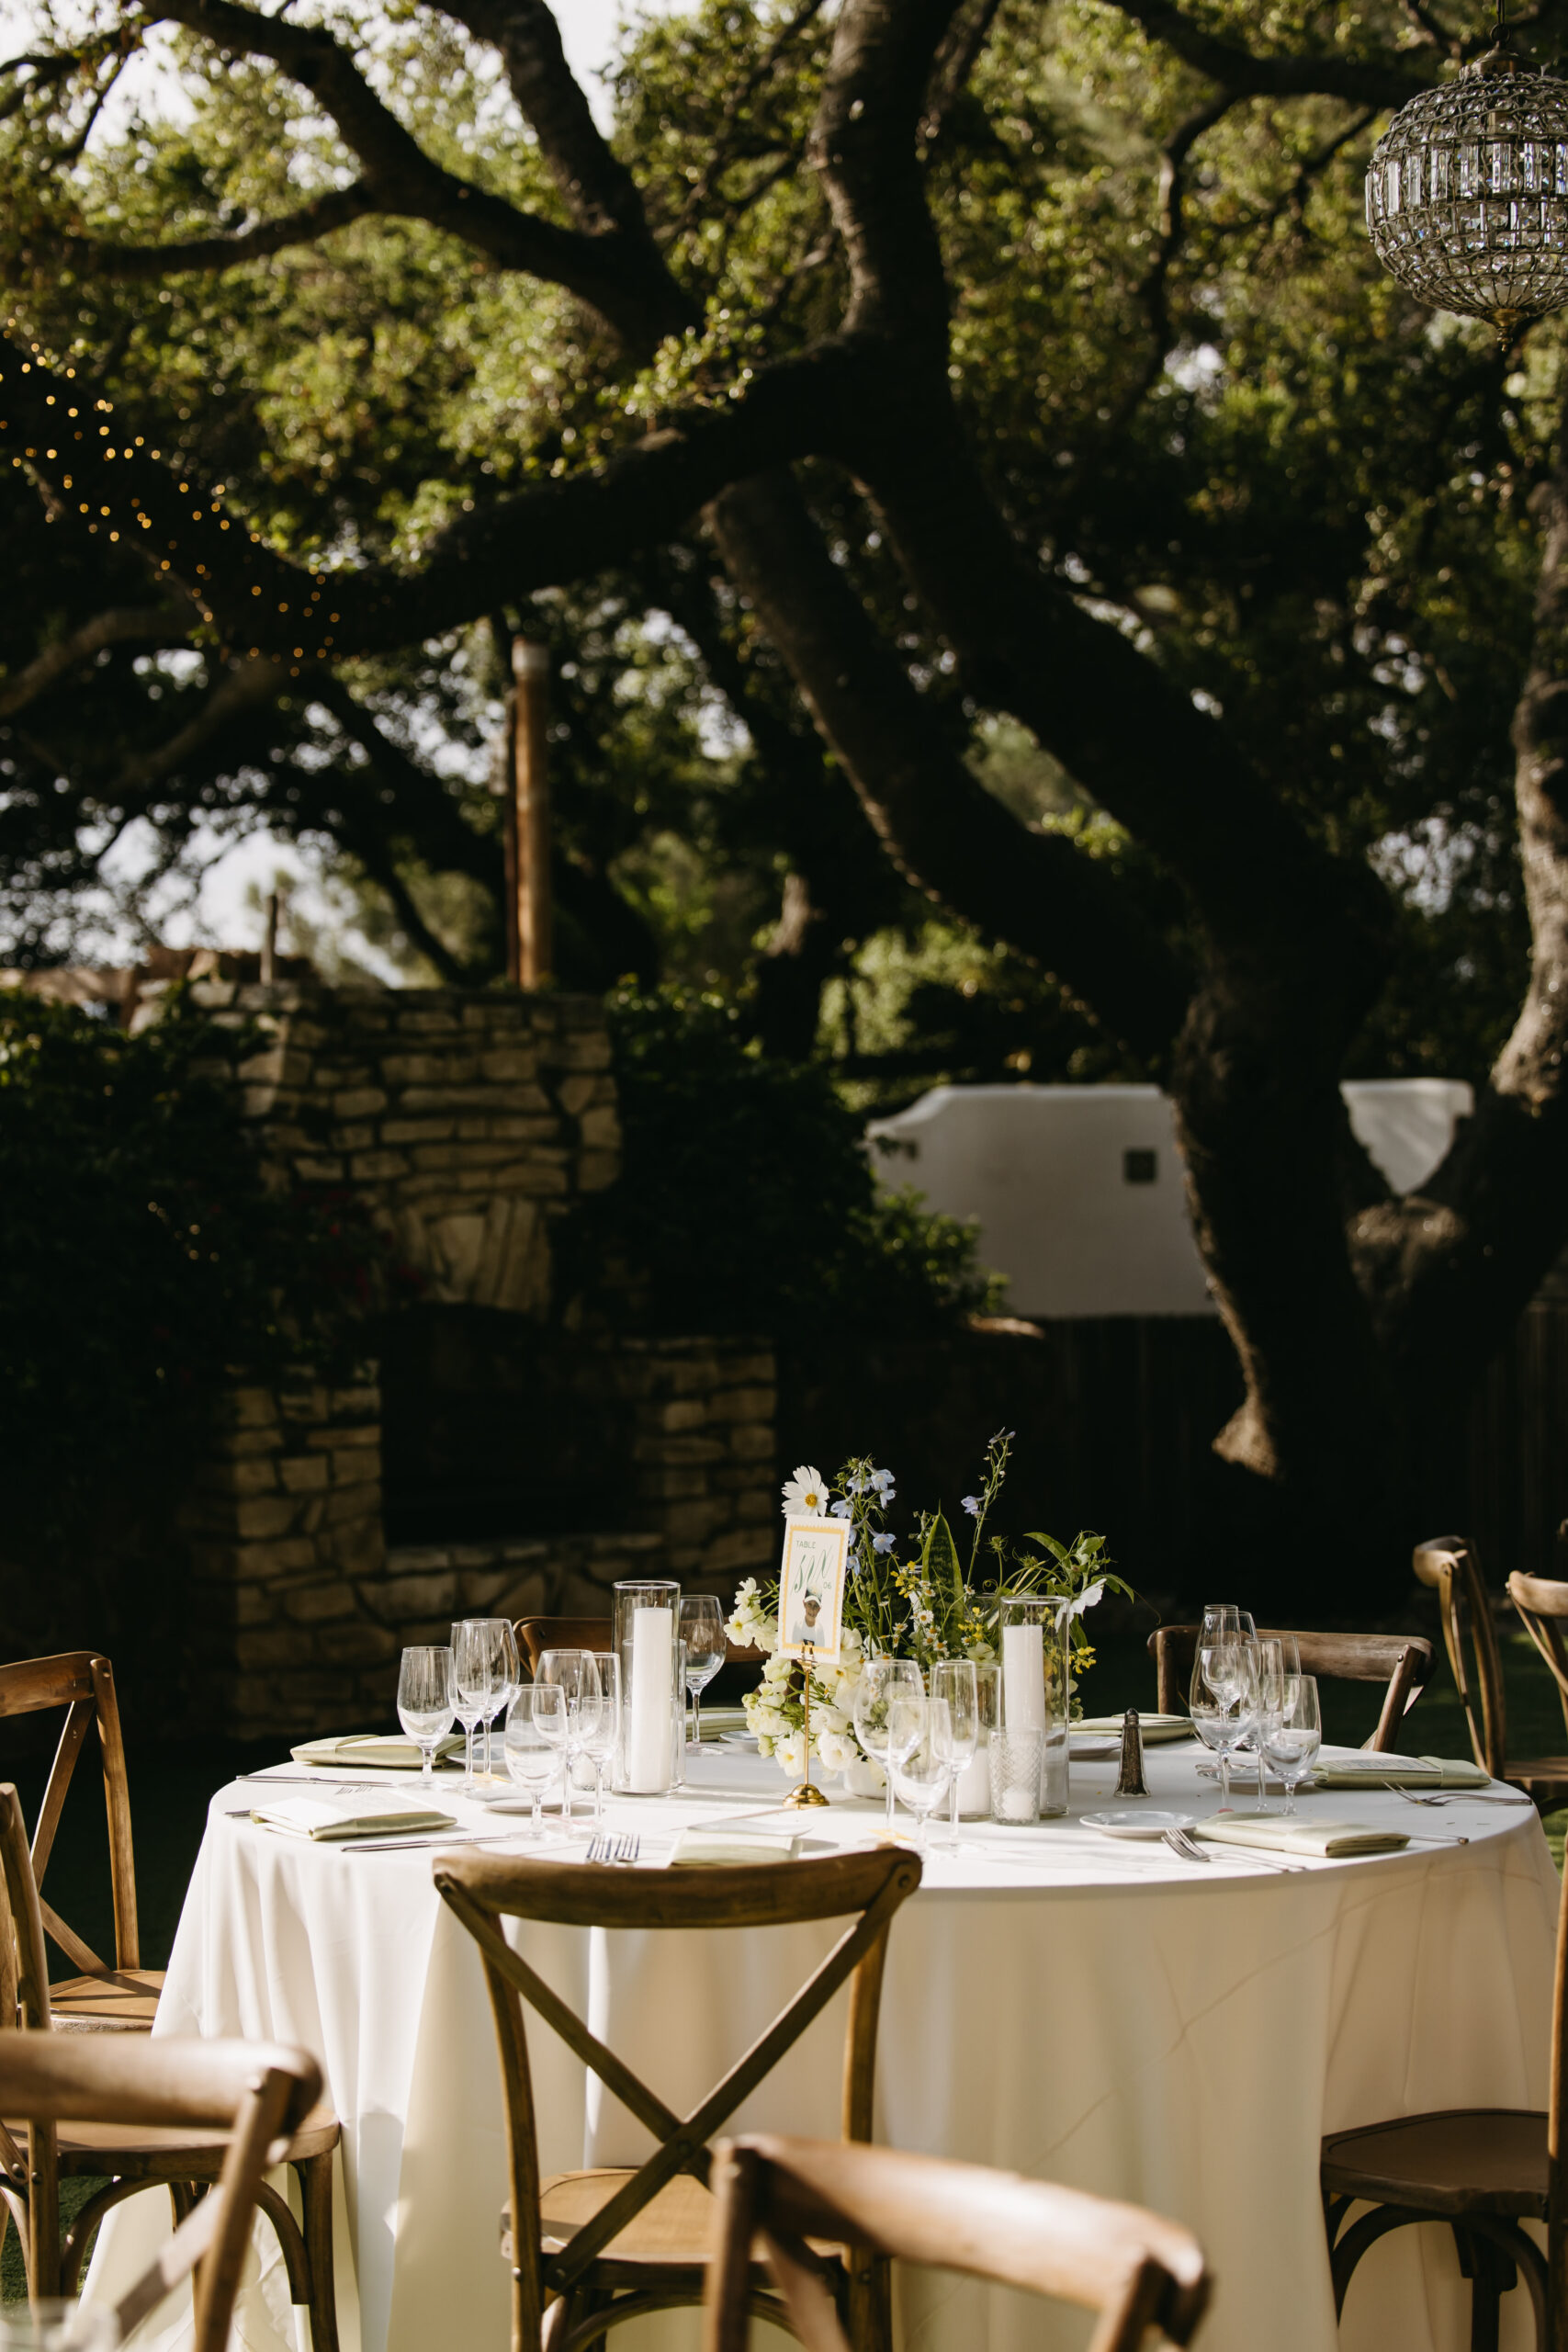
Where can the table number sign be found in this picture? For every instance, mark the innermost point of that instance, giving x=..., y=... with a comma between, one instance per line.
x=811, y=1587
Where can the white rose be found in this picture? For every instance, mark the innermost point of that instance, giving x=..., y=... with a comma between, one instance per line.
x=836, y=1751
x=790, y=1752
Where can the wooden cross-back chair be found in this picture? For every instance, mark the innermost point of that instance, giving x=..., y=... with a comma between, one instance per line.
x=1400, y=1661
x=1480, y=2172
x=1135, y=2271
x=602, y=2246
x=247, y=2097
x=105, y=1997
x=100, y=2147
x=1450, y=1565
x=538, y=1635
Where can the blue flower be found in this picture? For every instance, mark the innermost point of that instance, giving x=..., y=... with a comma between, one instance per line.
x=880, y=1481
x=972, y=1505
x=841, y=1510
x=883, y=1543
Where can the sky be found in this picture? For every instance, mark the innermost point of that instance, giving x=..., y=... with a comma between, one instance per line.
x=228, y=910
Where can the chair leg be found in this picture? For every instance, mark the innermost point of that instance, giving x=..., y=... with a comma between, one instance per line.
x=1345, y=2255
x=1482, y=2265
x=315, y=2178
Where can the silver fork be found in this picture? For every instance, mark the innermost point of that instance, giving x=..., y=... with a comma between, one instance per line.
x=1182, y=1842
x=1455, y=1796
x=611, y=1846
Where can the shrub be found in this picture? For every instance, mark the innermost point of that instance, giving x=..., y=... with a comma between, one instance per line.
x=747, y=1202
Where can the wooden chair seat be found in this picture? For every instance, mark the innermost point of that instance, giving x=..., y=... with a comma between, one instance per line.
x=1459, y=2161
x=673, y=2232
x=166, y=2152
x=1541, y=1777
x=125, y=2001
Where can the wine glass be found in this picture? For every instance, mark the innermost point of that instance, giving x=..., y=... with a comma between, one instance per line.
x=426, y=1701
x=702, y=1630
x=600, y=1736
x=1290, y=1740
x=881, y=1680
x=471, y=1667
x=955, y=1693
x=922, y=1773
x=531, y=1743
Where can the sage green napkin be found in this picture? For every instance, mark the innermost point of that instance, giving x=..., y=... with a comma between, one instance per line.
x=316, y=1818
x=1156, y=1729
x=1362, y=1767
x=389, y=1751
x=717, y=1847
x=1325, y=1839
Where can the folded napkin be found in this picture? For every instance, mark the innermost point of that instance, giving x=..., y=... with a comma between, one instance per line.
x=388, y=1749
x=316, y=1817
x=710, y=1848
x=1156, y=1729
x=1359, y=1767
x=1325, y=1839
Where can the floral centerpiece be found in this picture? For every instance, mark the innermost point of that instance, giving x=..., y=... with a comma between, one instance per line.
x=906, y=1597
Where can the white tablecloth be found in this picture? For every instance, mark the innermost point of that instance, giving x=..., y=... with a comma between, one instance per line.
x=1058, y=2003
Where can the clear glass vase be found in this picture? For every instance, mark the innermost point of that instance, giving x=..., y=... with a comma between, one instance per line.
x=645, y=1632
x=1036, y=1687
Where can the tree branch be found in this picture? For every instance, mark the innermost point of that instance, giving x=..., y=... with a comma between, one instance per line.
x=553, y=531
x=159, y=625
x=943, y=830
x=244, y=688
x=1364, y=81
x=400, y=178
x=96, y=257
x=955, y=60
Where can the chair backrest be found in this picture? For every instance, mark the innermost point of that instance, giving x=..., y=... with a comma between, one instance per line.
x=259, y=2092
x=1402, y=1661
x=484, y=1889
x=1450, y=1565
x=1135, y=2269
x=538, y=1635
x=83, y=1683
x=1542, y=1604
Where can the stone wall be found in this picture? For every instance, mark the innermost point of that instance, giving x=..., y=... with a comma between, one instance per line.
x=300, y=1610
x=468, y=1122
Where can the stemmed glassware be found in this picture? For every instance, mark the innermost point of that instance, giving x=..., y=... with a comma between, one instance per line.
x=886, y=1729
x=506, y=1672
x=472, y=1675
x=575, y=1674
x=1291, y=1739
x=601, y=1734
x=922, y=1774
x=535, y=1726
x=426, y=1701
x=1224, y=1696
x=702, y=1630
x=955, y=1723
x=1272, y=1696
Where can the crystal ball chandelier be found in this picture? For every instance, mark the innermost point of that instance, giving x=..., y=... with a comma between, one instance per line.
x=1467, y=193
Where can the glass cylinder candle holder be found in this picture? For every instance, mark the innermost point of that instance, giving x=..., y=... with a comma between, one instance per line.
x=974, y=1781
x=646, y=1619
x=1014, y=1761
x=1034, y=1687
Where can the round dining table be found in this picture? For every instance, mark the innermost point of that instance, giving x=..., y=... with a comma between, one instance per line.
x=1058, y=2002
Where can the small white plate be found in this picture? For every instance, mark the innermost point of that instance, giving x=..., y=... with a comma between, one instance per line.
x=1137, y=1824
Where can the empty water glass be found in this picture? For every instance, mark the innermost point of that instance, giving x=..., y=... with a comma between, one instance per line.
x=922, y=1774
x=535, y=1728
x=1291, y=1739
x=882, y=1681
x=701, y=1628
x=955, y=1690
x=426, y=1701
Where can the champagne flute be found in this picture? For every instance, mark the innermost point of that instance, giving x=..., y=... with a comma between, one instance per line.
x=599, y=1741
x=426, y=1701
x=702, y=1630
x=506, y=1674
x=1292, y=1741
x=1271, y=1700
x=531, y=1745
x=471, y=1669
x=881, y=1680
x=955, y=1692
x=575, y=1676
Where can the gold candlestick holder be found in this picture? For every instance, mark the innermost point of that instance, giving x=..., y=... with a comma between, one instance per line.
x=807, y=1795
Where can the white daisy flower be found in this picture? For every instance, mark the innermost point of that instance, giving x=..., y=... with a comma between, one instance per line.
x=806, y=1495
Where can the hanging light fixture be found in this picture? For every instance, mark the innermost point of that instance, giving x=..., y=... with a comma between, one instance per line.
x=1467, y=192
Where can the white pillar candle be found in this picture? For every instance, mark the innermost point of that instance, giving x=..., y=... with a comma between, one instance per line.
x=1023, y=1676
x=653, y=1696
